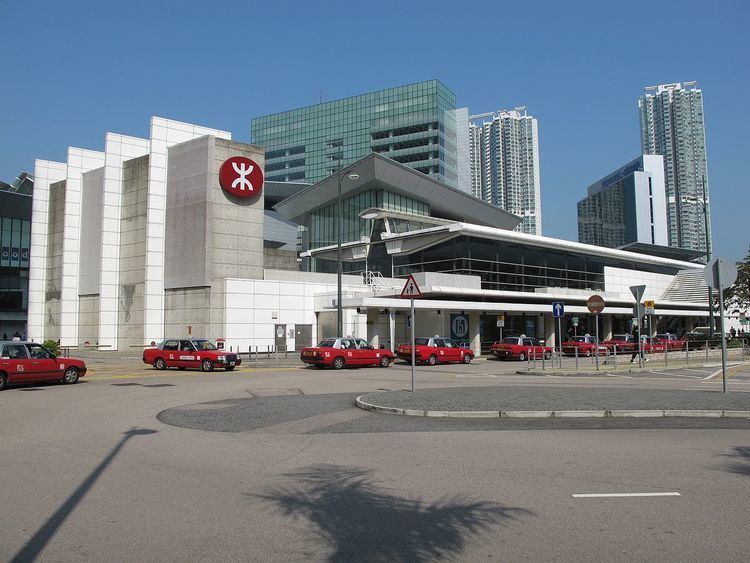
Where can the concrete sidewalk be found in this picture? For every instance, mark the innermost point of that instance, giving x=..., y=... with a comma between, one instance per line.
x=543, y=402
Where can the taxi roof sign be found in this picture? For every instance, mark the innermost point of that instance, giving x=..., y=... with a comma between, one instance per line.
x=411, y=289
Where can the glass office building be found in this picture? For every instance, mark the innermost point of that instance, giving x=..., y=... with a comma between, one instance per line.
x=15, y=240
x=414, y=125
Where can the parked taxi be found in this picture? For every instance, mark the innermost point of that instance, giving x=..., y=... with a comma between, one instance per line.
x=521, y=348
x=29, y=362
x=625, y=342
x=346, y=351
x=184, y=353
x=586, y=346
x=670, y=341
x=435, y=350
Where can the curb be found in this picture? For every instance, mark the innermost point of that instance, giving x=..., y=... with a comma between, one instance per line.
x=599, y=413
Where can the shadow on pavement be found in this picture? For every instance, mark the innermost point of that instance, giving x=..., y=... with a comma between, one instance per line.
x=741, y=461
x=362, y=523
x=41, y=538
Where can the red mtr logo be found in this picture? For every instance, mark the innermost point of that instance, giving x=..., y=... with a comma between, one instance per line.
x=241, y=177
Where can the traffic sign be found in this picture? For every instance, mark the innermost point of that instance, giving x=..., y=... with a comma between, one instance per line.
x=639, y=310
x=595, y=304
x=411, y=289
x=574, y=321
x=720, y=269
x=648, y=307
x=558, y=309
x=500, y=324
x=637, y=291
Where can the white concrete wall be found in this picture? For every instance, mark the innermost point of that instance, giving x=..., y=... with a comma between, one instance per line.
x=619, y=280
x=79, y=161
x=250, y=306
x=118, y=149
x=45, y=173
x=89, y=267
x=654, y=165
x=164, y=133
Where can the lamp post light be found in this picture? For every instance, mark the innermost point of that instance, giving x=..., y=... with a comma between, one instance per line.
x=339, y=231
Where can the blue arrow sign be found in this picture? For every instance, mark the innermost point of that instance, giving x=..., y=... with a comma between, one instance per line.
x=558, y=309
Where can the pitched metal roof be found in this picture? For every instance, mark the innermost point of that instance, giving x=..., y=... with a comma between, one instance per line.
x=378, y=172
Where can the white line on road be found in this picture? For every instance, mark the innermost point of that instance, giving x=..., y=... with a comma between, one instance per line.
x=674, y=374
x=622, y=495
x=714, y=374
x=701, y=371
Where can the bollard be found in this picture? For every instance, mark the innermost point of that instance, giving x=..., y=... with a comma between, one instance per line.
x=276, y=354
x=666, y=355
x=706, y=350
x=687, y=352
x=576, y=354
x=543, y=358
x=614, y=355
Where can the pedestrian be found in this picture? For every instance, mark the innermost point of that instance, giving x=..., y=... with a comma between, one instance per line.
x=732, y=332
x=16, y=336
x=638, y=349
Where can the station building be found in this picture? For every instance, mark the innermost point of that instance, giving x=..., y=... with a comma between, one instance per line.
x=144, y=241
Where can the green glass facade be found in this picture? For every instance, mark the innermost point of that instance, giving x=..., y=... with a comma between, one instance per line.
x=413, y=124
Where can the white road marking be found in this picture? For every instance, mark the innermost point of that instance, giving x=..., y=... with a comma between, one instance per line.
x=620, y=375
x=701, y=371
x=714, y=374
x=624, y=495
x=674, y=374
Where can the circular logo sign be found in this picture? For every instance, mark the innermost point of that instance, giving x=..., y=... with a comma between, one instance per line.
x=241, y=177
x=595, y=304
x=460, y=326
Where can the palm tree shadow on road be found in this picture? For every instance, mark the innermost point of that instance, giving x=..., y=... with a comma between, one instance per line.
x=740, y=463
x=362, y=523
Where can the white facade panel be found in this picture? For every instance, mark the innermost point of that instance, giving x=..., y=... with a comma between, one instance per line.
x=45, y=173
x=79, y=161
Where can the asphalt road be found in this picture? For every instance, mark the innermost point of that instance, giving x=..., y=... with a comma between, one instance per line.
x=90, y=473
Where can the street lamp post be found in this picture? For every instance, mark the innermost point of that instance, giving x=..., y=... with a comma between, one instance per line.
x=708, y=259
x=339, y=265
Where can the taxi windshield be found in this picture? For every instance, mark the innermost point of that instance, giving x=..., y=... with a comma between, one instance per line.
x=204, y=345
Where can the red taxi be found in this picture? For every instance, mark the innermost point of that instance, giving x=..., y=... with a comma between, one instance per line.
x=520, y=348
x=435, y=350
x=28, y=362
x=183, y=353
x=624, y=342
x=338, y=352
x=586, y=346
x=670, y=341
x=652, y=345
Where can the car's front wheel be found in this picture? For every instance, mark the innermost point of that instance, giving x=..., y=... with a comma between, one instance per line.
x=385, y=361
x=207, y=365
x=71, y=376
x=159, y=363
x=3, y=381
x=467, y=358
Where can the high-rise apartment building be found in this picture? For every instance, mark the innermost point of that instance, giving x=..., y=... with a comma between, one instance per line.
x=414, y=125
x=672, y=125
x=504, y=156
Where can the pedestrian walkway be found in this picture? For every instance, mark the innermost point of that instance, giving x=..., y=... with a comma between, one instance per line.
x=539, y=402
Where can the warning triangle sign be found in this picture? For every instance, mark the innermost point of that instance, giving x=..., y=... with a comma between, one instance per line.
x=411, y=289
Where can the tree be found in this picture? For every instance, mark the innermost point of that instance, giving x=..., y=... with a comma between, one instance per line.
x=738, y=296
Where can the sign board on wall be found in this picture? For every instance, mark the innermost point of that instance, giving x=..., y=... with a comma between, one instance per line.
x=241, y=177
x=459, y=326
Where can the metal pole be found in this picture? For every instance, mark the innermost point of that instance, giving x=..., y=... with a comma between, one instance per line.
x=413, y=351
x=640, y=344
x=721, y=327
x=596, y=346
x=339, y=273
x=614, y=351
x=559, y=341
x=575, y=350
x=708, y=259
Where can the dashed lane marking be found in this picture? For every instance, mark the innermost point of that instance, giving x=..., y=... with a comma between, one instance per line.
x=625, y=495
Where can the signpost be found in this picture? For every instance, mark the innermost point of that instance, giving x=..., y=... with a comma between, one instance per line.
x=501, y=325
x=595, y=304
x=558, y=311
x=638, y=310
x=410, y=291
x=720, y=274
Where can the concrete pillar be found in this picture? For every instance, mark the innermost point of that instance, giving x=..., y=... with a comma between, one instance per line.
x=392, y=328
x=550, y=325
x=474, y=333
x=606, y=327
x=373, y=327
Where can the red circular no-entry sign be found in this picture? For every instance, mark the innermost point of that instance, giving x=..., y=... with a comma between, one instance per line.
x=595, y=304
x=241, y=177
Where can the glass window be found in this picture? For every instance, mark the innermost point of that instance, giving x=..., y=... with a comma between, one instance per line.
x=14, y=352
x=170, y=345
x=39, y=352
x=439, y=342
x=186, y=346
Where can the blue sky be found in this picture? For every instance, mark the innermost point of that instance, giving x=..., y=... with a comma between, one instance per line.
x=74, y=70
